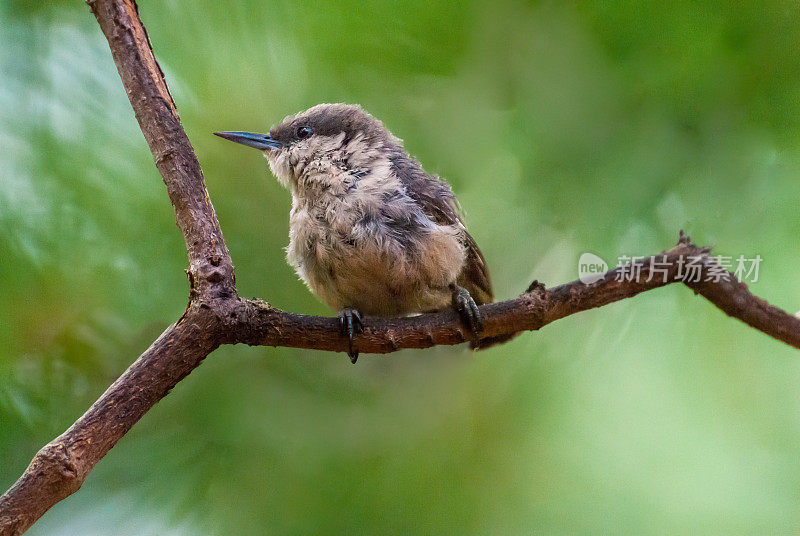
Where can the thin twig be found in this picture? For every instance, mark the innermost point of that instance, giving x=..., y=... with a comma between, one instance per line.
x=258, y=324
x=216, y=315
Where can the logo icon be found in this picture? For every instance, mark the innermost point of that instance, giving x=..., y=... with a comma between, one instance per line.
x=591, y=268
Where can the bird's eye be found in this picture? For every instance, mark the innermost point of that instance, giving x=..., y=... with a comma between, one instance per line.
x=303, y=132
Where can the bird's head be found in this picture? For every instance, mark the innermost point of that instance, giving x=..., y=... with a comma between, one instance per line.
x=340, y=134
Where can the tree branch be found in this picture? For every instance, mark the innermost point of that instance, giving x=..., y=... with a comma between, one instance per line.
x=210, y=267
x=60, y=467
x=216, y=315
x=258, y=324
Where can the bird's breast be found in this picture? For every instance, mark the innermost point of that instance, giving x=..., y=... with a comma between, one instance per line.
x=378, y=258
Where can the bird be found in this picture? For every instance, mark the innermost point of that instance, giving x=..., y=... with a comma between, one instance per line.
x=370, y=232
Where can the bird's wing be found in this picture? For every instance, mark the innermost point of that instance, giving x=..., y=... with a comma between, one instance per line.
x=475, y=274
x=441, y=206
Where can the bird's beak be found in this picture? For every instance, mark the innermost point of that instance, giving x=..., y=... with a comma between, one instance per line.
x=261, y=142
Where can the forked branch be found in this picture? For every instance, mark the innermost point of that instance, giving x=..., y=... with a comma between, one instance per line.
x=216, y=315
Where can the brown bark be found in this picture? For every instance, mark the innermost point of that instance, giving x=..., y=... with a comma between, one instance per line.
x=216, y=315
x=256, y=323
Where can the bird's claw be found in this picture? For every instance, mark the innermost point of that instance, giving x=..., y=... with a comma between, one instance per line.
x=467, y=309
x=350, y=325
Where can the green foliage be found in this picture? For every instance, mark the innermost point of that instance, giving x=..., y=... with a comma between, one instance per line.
x=563, y=127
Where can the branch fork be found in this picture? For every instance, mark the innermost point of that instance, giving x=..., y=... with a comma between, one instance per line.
x=216, y=315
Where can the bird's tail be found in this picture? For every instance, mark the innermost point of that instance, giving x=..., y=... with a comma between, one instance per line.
x=488, y=342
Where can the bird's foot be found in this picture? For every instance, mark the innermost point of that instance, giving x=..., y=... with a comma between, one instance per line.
x=350, y=325
x=467, y=309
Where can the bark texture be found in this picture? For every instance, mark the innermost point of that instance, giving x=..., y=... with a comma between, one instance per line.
x=216, y=315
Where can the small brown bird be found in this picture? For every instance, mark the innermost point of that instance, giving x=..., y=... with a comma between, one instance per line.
x=369, y=231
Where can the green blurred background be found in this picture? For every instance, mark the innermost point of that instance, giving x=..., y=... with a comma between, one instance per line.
x=564, y=127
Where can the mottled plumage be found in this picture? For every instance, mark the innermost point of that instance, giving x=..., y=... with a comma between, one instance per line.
x=369, y=229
